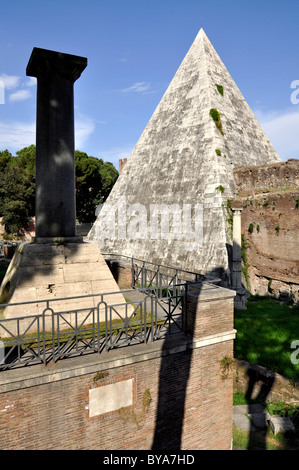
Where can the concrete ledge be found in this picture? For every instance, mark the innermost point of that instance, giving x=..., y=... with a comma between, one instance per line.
x=206, y=292
x=214, y=339
x=34, y=375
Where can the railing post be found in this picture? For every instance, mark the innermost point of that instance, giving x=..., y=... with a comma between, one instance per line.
x=185, y=308
x=152, y=318
x=53, y=335
x=133, y=274
x=44, y=339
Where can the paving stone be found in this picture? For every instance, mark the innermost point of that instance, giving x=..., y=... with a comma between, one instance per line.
x=281, y=424
x=242, y=422
x=250, y=417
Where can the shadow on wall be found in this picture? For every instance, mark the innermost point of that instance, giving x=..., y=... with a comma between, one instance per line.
x=174, y=376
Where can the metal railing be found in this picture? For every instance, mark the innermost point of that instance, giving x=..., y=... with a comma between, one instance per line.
x=96, y=324
x=96, y=327
x=154, y=275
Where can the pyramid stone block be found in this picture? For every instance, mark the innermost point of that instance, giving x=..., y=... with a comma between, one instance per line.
x=175, y=162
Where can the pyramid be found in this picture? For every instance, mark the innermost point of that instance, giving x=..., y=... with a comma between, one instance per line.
x=183, y=162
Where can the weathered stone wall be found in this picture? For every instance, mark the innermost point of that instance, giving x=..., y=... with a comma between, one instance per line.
x=176, y=394
x=270, y=226
x=273, y=177
x=251, y=379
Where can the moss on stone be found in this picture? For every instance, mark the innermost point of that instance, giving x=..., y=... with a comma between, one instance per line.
x=215, y=115
x=220, y=89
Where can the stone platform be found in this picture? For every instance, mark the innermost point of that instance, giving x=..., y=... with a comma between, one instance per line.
x=57, y=272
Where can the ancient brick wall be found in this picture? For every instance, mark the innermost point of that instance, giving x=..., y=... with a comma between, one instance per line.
x=122, y=273
x=269, y=195
x=176, y=394
x=273, y=177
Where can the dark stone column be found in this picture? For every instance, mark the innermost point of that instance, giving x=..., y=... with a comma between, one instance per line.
x=55, y=208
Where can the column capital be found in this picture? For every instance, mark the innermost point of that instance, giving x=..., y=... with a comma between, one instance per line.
x=236, y=209
x=46, y=62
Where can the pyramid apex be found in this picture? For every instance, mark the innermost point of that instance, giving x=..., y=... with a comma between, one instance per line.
x=202, y=34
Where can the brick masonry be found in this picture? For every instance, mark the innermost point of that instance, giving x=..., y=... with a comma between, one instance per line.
x=181, y=395
x=122, y=273
x=270, y=225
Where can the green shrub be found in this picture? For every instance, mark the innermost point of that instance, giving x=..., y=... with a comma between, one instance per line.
x=229, y=217
x=250, y=228
x=245, y=265
x=215, y=115
x=220, y=188
x=220, y=89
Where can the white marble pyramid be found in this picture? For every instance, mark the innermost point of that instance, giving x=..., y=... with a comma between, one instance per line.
x=184, y=160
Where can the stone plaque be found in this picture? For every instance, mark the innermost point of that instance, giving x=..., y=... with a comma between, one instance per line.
x=110, y=397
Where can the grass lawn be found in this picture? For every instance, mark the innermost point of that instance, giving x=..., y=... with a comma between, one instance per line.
x=265, y=332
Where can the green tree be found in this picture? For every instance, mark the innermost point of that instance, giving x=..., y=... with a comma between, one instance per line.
x=5, y=159
x=17, y=188
x=94, y=181
x=109, y=176
x=26, y=159
x=15, y=196
x=88, y=185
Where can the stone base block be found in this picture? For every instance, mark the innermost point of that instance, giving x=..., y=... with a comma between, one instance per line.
x=49, y=275
x=281, y=424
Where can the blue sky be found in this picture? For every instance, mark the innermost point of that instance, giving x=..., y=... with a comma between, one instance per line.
x=134, y=48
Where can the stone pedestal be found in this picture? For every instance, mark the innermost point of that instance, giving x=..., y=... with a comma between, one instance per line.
x=57, y=273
